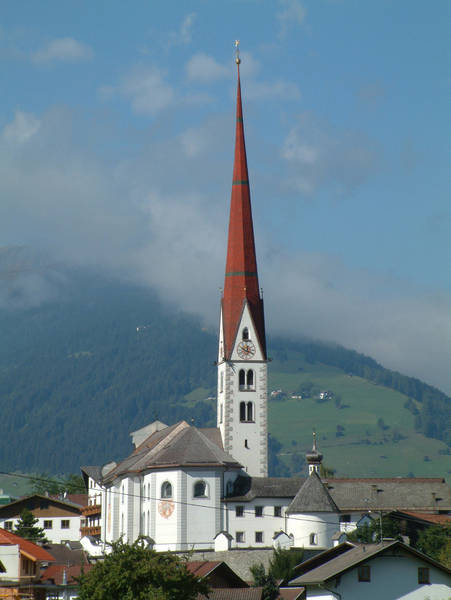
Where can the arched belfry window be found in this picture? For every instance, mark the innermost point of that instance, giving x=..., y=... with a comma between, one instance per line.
x=250, y=379
x=200, y=489
x=166, y=490
x=246, y=412
x=245, y=333
x=242, y=379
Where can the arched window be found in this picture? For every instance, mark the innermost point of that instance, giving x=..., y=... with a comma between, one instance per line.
x=313, y=539
x=166, y=490
x=242, y=411
x=245, y=333
x=148, y=523
x=246, y=445
x=250, y=379
x=242, y=379
x=200, y=489
x=250, y=411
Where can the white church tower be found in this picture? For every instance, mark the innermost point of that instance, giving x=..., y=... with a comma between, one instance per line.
x=242, y=361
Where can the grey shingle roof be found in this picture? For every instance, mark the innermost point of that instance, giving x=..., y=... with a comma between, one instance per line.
x=334, y=565
x=359, y=494
x=178, y=445
x=429, y=494
x=312, y=497
x=93, y=472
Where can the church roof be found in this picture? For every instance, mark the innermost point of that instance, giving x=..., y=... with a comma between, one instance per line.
x=427, y=494
x=241, y=277
x=312, y=497
x=180, y=445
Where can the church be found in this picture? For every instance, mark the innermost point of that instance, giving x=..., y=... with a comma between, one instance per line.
x=189, y=488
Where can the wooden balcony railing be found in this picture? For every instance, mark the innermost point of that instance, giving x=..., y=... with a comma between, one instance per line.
x=91, y=509
x=90, y=530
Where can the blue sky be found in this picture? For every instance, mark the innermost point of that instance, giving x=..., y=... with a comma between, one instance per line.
x=116, y=147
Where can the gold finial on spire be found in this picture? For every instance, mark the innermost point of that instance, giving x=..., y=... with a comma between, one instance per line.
x=314, y=441
x=237, y=52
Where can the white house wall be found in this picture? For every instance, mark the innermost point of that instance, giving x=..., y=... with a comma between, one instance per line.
x=249, y=524
x=10, y=558
x=392, y=578
x=56, y=534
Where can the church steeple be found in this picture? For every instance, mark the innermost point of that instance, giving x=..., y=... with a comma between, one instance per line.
x=241, y=277
x=242, y=363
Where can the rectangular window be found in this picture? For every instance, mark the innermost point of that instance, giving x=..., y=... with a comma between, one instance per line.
x=8, y=525
x=364, y=573
x=239, y=511
x=259, y=537
x=277, y=511
x=239, y=536
x=345, y=518
x=65, y=523
x=423, y=575
x=48, y=524
x=259, y=511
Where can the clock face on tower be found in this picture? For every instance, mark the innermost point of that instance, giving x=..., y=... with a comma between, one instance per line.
x=246, y=349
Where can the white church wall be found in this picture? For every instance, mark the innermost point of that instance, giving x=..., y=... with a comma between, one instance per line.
x=251, y=530
x=204, y=515
x=313, y=530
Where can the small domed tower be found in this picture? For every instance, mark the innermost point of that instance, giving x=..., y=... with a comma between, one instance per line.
x=314, y=458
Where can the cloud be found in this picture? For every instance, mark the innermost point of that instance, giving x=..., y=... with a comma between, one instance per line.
x=159, y=217
x=203, y=67
x=64, y=50
x=319, y=155
x=22, y=128
x=183, y=36
x=263, y=90
x=147, y=90
x=291, y=14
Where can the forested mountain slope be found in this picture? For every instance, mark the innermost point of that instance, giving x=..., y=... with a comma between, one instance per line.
x=97, y=358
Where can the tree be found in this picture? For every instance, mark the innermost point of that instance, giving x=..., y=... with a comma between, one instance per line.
x=283, y=561
x=264, y=580
x=26, y=528
x=371, y=533
x=72, y=484
x=434, y=540
x=133, y=572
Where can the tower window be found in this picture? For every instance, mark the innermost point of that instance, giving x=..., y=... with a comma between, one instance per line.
x=166, y=490
x=221, y=382
x=239, y=511
x=250, y=411
x=246, y=444
x=245, y=333
x=313, y=539
x=200, y=489
x=250, y=379
x=242, y=379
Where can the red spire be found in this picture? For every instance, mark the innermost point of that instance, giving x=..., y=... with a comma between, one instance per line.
x=241, y=278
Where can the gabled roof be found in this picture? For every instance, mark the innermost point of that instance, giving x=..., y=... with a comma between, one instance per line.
x=421, y=517
x=330, y=566
x=55, y=573
x=208, y=568
x=14, y=508
x=30, y=550
x=93, y=472
x=180, y=445
x=312, y=497
x=234, y=594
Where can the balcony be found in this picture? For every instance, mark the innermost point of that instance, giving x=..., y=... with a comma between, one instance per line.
x=90, y=530
x=91, y=510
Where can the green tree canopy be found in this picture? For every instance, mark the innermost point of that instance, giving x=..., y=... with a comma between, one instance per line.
x=26, y=527
x=132, y=572
x=435, y=541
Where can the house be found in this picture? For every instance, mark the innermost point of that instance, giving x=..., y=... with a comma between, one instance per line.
x=390, y=570
x=60, y=519
x=22, y=561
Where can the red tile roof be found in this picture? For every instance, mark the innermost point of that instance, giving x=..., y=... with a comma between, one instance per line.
x=33, y=551
x=201, y=568
x=436, y=519
x=55, y=573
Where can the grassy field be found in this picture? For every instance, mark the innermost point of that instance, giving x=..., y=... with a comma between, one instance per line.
x=362, y=447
